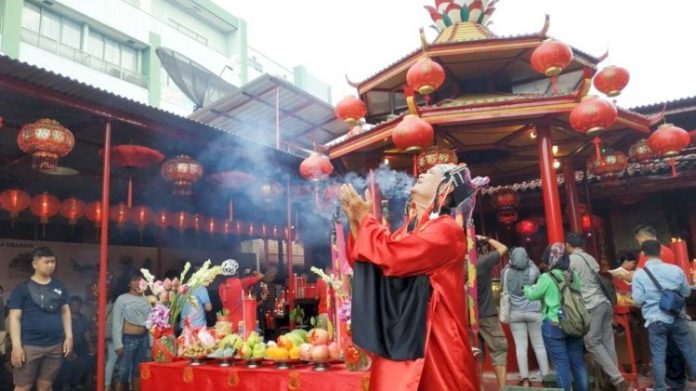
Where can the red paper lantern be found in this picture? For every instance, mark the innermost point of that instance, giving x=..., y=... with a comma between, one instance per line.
x=141, y=216
x=162, y=219
x=212, y=225
x=611, y=80
x=668, y=140
x=275, y=232
x=182, y=171
x=14, y=201
x=45, y=206
x=239, y=227
x=72, y=209
x=316, y=167
x=182, y=221
x=350, y=109
x=119, y=213
x=612, y=164
x=507, y=216
x=413, y=133
x=46, y=140
x=434, y=155
x=251, y=230
x=425, y=76
x=93, y=212
x=527, y=227
x=505, y=198
x=640, y=151
x=227, y=227
x=551, y=57
x=593, y=114
x=197, y=222
x=588, y=223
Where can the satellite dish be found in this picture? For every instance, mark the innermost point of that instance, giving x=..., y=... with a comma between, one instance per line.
x=199, y=84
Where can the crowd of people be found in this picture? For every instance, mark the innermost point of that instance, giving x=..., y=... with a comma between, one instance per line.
x=410, y=277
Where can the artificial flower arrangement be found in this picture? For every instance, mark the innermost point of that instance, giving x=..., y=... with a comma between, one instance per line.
x=168, y=298
x=355, y=358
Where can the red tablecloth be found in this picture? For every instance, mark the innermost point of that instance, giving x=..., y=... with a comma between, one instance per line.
x=209, y=377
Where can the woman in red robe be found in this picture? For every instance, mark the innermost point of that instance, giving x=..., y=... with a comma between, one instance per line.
x=420, y=265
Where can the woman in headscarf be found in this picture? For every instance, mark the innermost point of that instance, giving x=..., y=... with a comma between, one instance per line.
x=408, y=293
x=525, y=315
x=566, y=352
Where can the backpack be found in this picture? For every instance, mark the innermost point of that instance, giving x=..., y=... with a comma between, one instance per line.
x=573, y=317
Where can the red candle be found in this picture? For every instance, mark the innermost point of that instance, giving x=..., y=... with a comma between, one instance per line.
x=681, y=254
x=249, y=315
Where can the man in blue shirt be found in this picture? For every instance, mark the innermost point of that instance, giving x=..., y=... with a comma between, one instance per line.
x=195, y=312
x=661, y=324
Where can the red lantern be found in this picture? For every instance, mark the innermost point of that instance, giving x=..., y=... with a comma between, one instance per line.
x=668, y=140
x=46, y=140
x=119, y=213
x=640, y=151
x=197, y=222
x=182, y=171
x=94, y=212
x=505, y=198
x=413, y=133
x=133, y=156
x=507, y=216
x=551, y=57
x=588, y=222
x=212, y=226
x=15, y=201
x=316, y=167
x=612, y=164
x=350, y=109
x=434, y=155
x=611, y=80
x=227, y=227
x=425, y=76
x=593, y=114
x=141, y=216
x=72, y=209
x=251, y=229
x=45, y=206
x=527, y=227
x=275, y=232
x=163, y=219
x=182, y=221
x=239, y=227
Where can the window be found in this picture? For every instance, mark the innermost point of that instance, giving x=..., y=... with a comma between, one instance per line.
x=95, y=45
x=31, y=17
x=71, y=34
x=129, y=58
x=50, y=25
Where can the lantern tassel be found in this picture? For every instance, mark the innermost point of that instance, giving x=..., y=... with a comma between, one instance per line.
x=598, y=153
x=230, y=211
x=673, y=163
x=554, y=85
x=130, y=192
x=415, y=166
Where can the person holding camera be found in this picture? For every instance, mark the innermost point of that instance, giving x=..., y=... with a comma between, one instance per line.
x=660, y=289
x=40, y=325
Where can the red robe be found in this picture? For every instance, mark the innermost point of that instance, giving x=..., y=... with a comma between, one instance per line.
x=436, y=249
x=231, y=292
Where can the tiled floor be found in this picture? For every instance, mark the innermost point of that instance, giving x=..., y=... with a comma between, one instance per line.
x=490, y=384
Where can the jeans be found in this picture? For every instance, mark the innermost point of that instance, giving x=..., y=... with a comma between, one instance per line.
x=599, y=341
x=526, y=326
x=136, y=349
x=111, y=359
x=566, y=353
x=657, y=338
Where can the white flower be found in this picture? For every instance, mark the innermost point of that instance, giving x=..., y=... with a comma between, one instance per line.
x=183, y=273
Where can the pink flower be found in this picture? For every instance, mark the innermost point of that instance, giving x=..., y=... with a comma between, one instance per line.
x=157, y=287
x=164, y=297
x=175, y=283
x=167, y=284
x=183, y=289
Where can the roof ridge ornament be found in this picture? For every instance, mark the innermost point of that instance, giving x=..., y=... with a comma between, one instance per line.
x=547, y=25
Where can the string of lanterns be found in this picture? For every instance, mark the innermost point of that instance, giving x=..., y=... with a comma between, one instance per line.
x=46, y=206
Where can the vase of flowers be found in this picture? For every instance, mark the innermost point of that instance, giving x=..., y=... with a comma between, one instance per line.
x=168, y=298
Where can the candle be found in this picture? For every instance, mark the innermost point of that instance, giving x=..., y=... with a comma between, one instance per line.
x=249, y=314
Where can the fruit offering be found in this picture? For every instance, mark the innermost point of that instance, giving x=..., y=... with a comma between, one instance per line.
x=287, y=346
x=195, y=343
x=253, y=348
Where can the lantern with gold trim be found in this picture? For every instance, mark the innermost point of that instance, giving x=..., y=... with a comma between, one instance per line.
x=46, y=140
x=350, y=109
x=182, y=171
x=425, y=76
x=434, y=155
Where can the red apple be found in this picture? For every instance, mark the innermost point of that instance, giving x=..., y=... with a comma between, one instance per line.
x=318, y=337
x=334, y=351
x=306, y=351
x=320, y=352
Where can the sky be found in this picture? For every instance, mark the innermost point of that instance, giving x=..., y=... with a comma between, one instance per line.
x=654, y=40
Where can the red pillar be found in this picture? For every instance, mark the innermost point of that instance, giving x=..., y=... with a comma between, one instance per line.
x=549, y=185
x=291, y=279
x=103, y=253
x=571, y=188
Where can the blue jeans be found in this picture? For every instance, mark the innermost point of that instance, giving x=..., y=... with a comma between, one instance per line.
x=136, y=349
x=657, y=338
x=566, y=354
